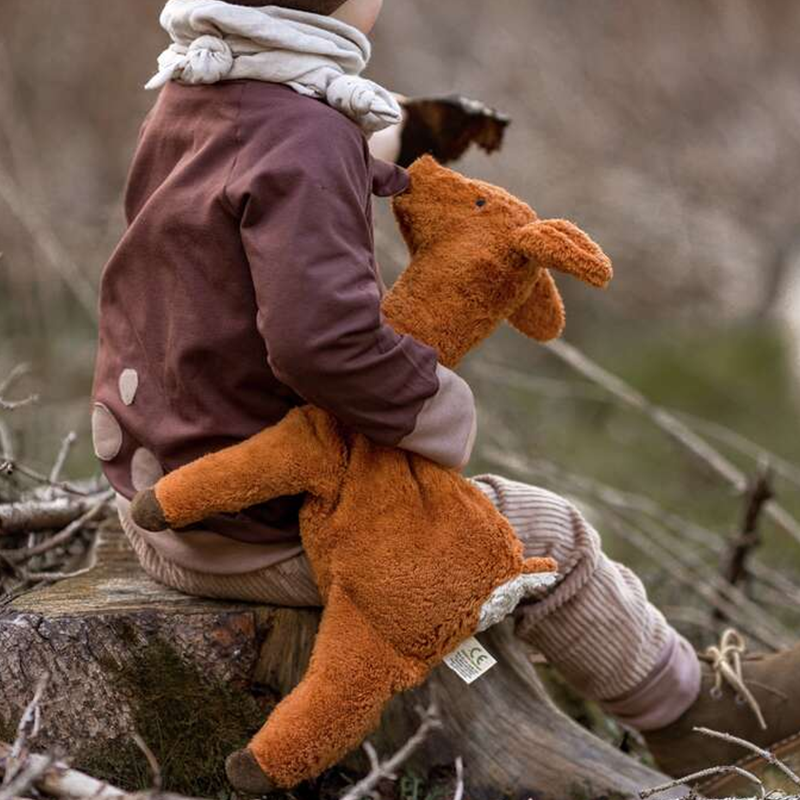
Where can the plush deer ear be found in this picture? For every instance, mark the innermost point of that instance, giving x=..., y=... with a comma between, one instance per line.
x=541, y=316
x=558, y=244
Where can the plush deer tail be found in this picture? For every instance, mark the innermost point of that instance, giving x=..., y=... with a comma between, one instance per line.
x=533, y=565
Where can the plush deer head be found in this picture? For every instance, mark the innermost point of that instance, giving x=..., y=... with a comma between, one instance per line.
x=481, y=256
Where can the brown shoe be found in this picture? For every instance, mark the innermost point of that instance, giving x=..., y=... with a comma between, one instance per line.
x=755, y=697
x=245, y=775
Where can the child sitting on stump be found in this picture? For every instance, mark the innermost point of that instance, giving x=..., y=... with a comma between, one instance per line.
x=246, y=285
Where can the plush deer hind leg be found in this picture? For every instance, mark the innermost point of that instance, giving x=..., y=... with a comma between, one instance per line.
x=299, y=454
x=353, y=673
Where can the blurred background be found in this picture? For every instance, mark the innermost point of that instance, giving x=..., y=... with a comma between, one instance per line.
x=669, y=130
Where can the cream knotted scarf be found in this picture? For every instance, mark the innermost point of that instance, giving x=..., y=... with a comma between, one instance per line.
x=315, y=55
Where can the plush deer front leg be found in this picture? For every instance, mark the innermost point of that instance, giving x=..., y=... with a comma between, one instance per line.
x=351, y=677
x=297, y=455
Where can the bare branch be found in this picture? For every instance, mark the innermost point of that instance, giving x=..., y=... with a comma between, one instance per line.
x=10, y=405
x=155, y=767
x=6, y=444
x=702, y=775
x=459, y=793
x=63, y=454
x=388, y=769
x=18, y=776
x=30, y=721
x=735, y=565
x=768, y=756
x=690, y=571
x=32, y=515
x=60, y=539
x=27, y=777
x=672, y=426
x=10, y=466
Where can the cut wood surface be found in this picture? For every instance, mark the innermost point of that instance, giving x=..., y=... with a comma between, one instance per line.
x=196, y=677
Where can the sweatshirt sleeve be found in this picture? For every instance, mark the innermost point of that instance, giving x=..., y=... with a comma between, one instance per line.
x=307, y=232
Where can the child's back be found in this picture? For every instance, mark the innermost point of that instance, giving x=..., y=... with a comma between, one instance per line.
x=245, y=285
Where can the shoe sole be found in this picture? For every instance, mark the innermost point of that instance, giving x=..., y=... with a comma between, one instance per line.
x=732, y=785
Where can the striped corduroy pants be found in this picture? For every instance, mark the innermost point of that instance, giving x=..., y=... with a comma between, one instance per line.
x=596, y=626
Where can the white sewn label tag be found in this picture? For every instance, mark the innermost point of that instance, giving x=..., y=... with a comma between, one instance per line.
x=470, y=660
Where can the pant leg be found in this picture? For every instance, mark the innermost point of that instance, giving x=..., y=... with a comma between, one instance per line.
x=597, y=626
x=289, y=583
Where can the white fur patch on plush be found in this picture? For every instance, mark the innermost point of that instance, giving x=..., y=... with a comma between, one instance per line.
x=506, y=598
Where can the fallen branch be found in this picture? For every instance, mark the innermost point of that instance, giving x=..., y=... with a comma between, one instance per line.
x=63, y=537
x=55, y=778
x=33, y=771
x=32, y=515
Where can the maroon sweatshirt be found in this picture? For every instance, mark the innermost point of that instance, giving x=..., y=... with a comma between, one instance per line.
x=246, y=284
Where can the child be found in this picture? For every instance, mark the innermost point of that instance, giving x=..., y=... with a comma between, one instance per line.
x=246, y=285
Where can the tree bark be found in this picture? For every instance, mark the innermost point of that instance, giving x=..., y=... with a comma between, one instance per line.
x=196, y=677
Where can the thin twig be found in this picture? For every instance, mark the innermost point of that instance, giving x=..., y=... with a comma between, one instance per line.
x=557, y=388
x=16, y=374
x=741, y=444
x=702, y=775
x=18, y=774
x=6, y=444
x=735, y=564
x=63, y=454
x=672, y=426
x=388, y=769
x=767, y=755
x=459, y=793
x=55, y=778
x=30, y=721
x=9, y=466
x=155, y=767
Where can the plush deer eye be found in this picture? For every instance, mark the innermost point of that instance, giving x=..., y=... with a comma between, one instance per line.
x=480, y=202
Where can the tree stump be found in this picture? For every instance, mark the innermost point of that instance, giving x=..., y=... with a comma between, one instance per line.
x=195, y=678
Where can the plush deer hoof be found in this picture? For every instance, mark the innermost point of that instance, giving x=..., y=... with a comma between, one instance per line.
x=147, y=513
x=245, y=775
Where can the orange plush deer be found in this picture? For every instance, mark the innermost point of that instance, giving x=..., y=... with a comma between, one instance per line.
x=410, y=558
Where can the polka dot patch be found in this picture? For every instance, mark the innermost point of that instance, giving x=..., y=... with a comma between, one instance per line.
x=128, y=384
x=145, y=470
x=106, y=433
